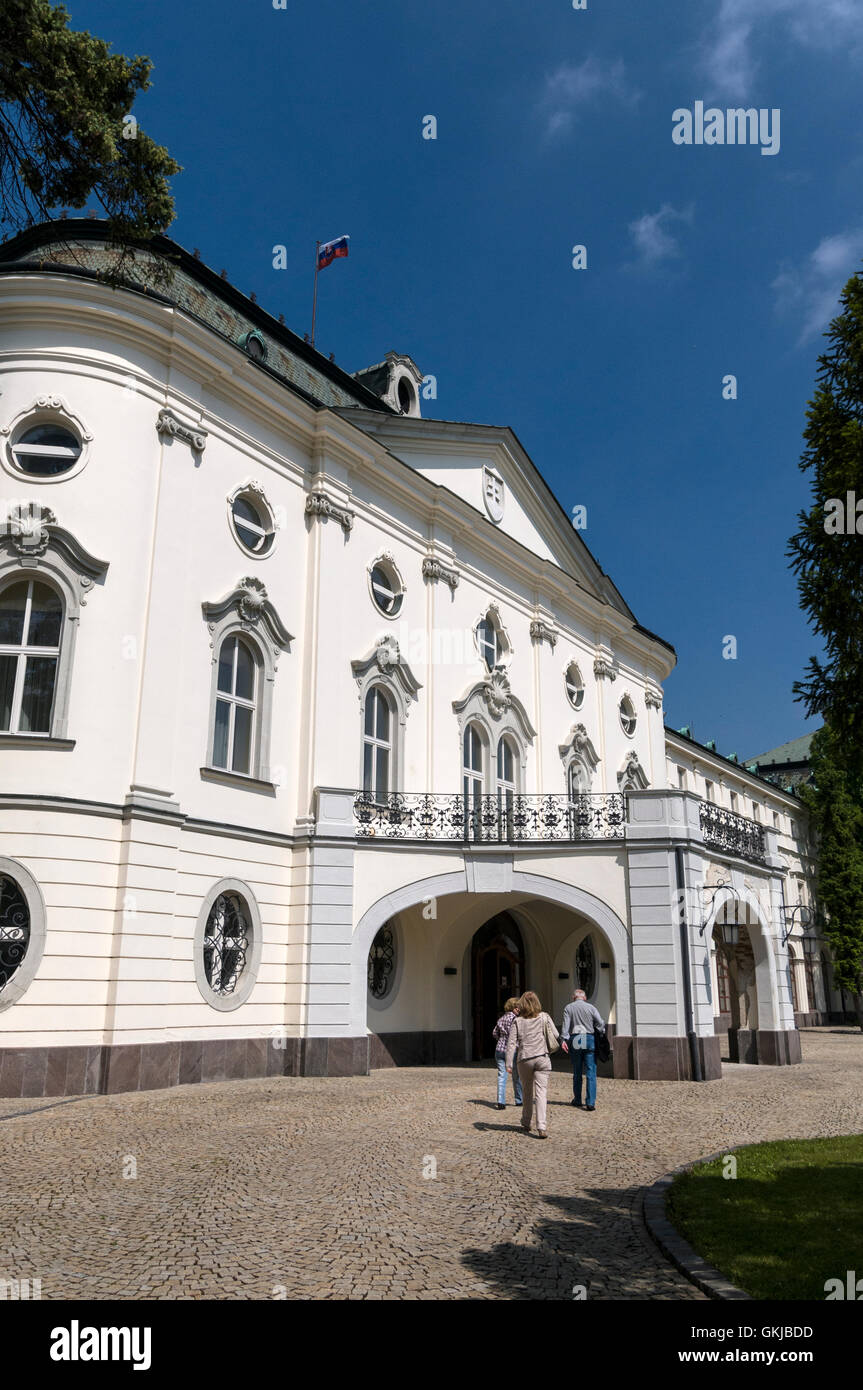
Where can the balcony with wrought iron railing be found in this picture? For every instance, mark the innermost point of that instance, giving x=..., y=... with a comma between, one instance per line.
x=502, y=818
x=733, y=834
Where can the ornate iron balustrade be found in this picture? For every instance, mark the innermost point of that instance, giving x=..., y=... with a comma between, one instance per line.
x=502, y=818
x=734, y=834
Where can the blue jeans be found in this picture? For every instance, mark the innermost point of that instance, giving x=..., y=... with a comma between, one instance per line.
x=581, y=1050
x=500, y=1058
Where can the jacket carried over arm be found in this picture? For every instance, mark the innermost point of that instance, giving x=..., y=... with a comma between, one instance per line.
x=528, y=1035
x=581, y=1017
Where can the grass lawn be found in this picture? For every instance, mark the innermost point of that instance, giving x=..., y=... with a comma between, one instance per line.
x=789, y=1221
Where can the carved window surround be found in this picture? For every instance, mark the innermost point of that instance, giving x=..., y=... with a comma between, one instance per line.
x=31, y=540
x=579, y=750
x=384, y=665
x=491, y=704
x=248, y=610
x=632, y=777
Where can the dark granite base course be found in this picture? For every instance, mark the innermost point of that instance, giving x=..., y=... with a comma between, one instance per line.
x=79, y=1071
x=82, y=1071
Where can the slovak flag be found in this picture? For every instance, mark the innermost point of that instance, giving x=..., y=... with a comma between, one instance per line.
x=330, y=251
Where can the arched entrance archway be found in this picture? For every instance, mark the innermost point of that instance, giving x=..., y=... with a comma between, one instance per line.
x=497, y=973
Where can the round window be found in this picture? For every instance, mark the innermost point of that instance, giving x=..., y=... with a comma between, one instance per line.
x=574, y=686
x=387, y=590
x=226, y=943
x=46, y=450
x=253, y=525
x=627, y=716
x=14, y=929
x=382, y=963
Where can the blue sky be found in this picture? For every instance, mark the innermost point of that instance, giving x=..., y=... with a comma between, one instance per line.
x=554, y=129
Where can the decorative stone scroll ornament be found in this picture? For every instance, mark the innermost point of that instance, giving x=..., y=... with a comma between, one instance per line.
x=30, y=533
x=632, y=777
x=496, y=695
x=247, y=608
x=385, y=659
x=603, y=669
x=579, y=745
x=320, y=505
x=653, y=698
x=541, y=631
x=169, y=424
x=433, y=569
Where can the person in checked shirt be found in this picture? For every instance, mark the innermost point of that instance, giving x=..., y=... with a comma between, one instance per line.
x=581, y=1022
x=501, y=1038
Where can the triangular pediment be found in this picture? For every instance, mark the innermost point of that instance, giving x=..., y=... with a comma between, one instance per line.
x=488, y=468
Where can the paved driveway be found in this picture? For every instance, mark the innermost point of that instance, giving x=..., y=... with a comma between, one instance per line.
x=322, y=1188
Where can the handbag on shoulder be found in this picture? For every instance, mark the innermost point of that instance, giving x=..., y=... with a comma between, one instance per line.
x=551, y=1043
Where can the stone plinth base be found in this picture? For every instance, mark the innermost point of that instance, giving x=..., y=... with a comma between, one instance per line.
x=764, y=1047
x=79, y=1071
x=664, y=1059
x=416, y=1049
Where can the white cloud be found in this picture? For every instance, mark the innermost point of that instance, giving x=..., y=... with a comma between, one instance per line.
x=810, y=292
x=651, y=236
x=729, y=60
x=570, y=88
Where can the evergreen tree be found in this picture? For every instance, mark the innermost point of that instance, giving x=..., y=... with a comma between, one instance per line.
x=836, y=806
x=827, y=560
x=67, y=133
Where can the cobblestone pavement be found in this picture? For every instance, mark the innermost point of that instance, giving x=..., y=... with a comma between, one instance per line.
x=315, y=1187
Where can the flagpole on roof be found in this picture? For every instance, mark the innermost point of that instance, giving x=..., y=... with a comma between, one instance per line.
x=315, y=300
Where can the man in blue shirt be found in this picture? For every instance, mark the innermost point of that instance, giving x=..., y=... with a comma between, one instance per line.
x=581, y=1022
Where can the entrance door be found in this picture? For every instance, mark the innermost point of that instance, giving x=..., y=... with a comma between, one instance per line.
x=497, y=958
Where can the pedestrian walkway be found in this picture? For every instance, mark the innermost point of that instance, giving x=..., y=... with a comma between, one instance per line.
x=405, y=1184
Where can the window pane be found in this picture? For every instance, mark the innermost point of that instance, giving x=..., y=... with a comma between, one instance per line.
x=382, y=780
x=242, y=761
x=245, y=672
x=8, y=666
x=383, y=718
x=46, y=611
x=38, y=695
x=368, y=763
x=504, y=761
x=12, y=601
x=226, y=665
x=369, y=725
x=220, y=737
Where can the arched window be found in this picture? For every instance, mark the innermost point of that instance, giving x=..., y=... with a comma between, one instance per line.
x=31, y=619
x=235, y=732
x=577, y=780
x=377, y=744
x=507, y=780
x=473, y=764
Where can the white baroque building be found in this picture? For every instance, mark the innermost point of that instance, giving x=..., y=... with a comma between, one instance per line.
x=322, y=731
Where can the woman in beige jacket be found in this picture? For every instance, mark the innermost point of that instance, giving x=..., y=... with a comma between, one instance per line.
x=530, y=1034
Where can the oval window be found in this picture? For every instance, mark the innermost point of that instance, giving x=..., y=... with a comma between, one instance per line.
x=382, y=963
x=226, y=943
x=253, y=525
x=14, y=929
x=46, y=451
x=574, y=686
x=387, y=590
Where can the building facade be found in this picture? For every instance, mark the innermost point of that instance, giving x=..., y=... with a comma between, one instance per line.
x=322, y=731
